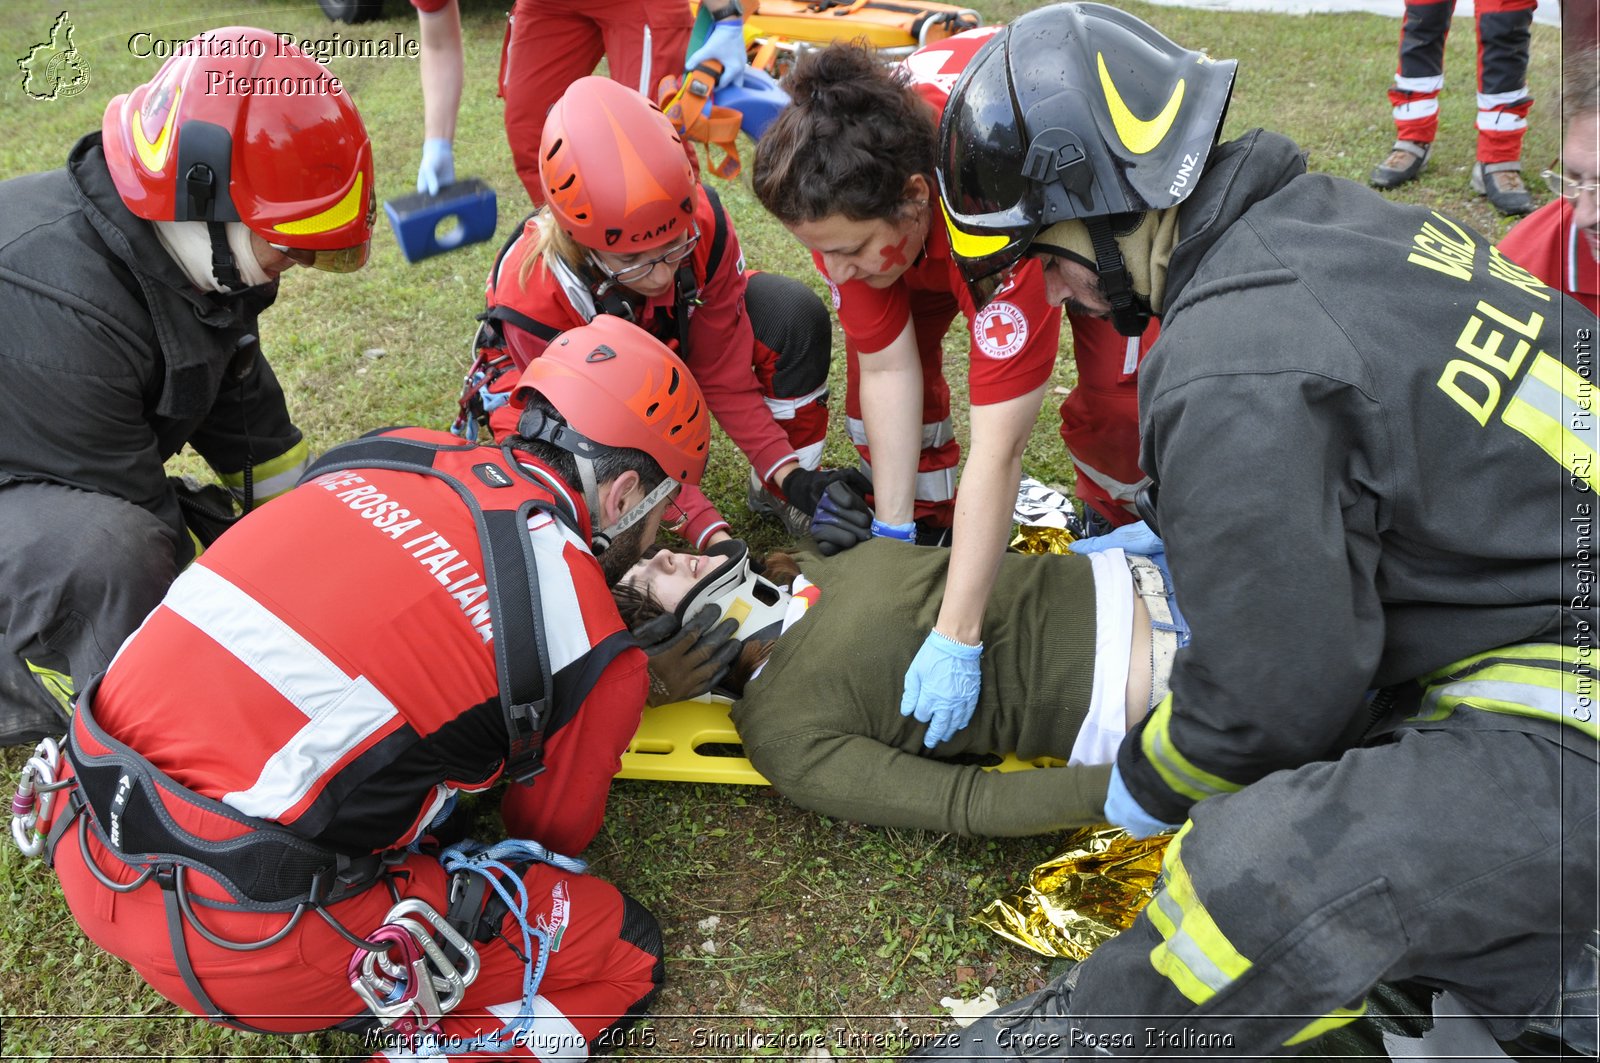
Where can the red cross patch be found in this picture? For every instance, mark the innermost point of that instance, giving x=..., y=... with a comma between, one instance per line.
x=1000, y=329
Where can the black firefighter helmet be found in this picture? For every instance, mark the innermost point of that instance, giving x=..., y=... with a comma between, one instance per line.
x=1072, y=111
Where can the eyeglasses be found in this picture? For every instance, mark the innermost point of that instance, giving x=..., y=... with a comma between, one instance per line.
x=1567, y=187
x=640, y=270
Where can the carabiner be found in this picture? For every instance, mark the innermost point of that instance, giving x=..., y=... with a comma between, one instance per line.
x=403, y=993
x=36, y=794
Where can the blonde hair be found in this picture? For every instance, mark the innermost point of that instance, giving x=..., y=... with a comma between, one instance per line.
x=555, y=243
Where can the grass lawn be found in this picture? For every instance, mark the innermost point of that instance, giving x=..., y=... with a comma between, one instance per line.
x=777, y=922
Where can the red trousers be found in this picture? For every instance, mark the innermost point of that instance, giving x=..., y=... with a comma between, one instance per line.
x=1100, y=417
x=604, y=965
x=552, y=43
x=1503, y=101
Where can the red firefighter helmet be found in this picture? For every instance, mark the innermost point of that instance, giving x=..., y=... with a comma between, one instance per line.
x=619, y=386
x=614, y=170
x=242, y=126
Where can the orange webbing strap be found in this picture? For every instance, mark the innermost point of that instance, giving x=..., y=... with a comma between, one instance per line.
x=689, y=106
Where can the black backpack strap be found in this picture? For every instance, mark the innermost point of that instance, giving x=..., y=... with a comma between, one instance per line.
x=505, y=315
x=522, y=658
x=719, y=233
x=574, y=682
x=377, y=450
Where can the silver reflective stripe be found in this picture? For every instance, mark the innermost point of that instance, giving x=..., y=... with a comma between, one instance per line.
x=1122, y=492
x=1186, y=949
x=939, y=485
x=1558, y=705
x=934, y=434
x=342, y=711
x=1158, y=747
x=1565, y=412
x=785, y=409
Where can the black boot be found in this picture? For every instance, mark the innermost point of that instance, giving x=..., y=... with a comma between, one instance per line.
x=1036, y=1027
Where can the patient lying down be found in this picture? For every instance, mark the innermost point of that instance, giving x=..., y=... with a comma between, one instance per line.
x=1070, y=661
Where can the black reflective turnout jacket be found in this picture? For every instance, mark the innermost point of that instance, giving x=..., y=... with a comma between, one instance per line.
x=1373, y=438
x=110, y=360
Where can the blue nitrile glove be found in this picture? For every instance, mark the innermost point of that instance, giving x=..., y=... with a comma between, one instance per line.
x=438, y=166
x=942, y=686
x=905, y=533
x=1134, y=538
x=842, y=520
x=1125, y=812
x=725, y=44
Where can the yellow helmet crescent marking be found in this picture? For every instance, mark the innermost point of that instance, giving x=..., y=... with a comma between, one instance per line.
x=154, y=155
x=1139, y=135
x=970, y=245
x=341, y=213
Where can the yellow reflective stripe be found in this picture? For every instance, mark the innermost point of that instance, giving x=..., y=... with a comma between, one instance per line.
x=1194, y=955
x=1542, y=681
x=1547, y=409
x=274, y=476
x=341, y=213
x=1181, y=776
x=1331, y=1021
x=154, y=155
x=1554, y=652
x=58, y=685
x=971, y=245
x=1140, y=136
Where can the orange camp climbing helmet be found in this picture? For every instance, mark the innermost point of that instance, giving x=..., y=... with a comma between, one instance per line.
x=618, y=386
x=241, y=126
x=614, y=170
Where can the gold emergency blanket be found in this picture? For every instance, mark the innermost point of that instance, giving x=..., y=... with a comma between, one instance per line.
x=1079, y=899
x=1039, y=539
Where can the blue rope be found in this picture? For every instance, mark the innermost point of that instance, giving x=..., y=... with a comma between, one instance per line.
x=492, y=862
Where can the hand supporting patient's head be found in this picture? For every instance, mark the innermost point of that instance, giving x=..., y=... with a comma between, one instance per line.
x=658, y=628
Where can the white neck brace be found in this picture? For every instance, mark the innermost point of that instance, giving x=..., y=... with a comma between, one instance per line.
x=733, y=587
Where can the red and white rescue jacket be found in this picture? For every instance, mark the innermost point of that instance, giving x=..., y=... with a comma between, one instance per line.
x=329, y=664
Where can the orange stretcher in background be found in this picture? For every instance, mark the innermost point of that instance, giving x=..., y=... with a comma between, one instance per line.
x=777, y=30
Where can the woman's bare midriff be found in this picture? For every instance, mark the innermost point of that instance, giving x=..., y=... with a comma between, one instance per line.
x=1139, y=677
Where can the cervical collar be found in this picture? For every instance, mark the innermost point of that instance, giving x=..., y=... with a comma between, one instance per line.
x=733, y=586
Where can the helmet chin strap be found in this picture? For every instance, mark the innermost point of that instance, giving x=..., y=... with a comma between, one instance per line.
x=538, y=425
x=1129, y=317
x=601, y=541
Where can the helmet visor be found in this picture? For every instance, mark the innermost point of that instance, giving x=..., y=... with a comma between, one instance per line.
x=341, y=260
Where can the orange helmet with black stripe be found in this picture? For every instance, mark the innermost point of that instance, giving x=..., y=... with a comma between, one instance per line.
x=241, y=126
x=618, y=386
x=614, y=170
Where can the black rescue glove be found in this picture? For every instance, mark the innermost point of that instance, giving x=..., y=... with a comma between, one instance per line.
x=842, y=520
x=687, y=661
x=803, y=488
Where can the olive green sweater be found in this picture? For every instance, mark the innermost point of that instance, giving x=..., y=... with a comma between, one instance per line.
x=823, y=723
